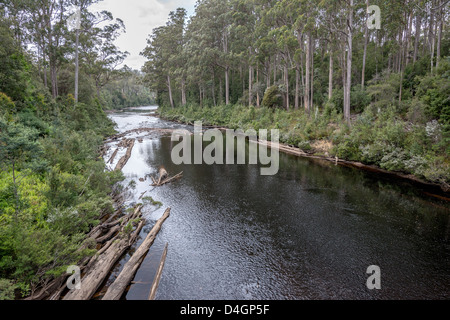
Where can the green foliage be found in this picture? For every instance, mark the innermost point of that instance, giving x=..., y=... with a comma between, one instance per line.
x=19, y=145
x=359, y=100
x=127, y=91
x=53, y=184
x=152, y=201
x=272, y=98
x=434, y=91
x=7, y=288
x=30, y=119
x=384, y=90
x=7, y=106
x=14, y=68
x=413, y=144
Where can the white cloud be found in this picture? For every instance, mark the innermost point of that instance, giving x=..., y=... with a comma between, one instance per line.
x=140, y=18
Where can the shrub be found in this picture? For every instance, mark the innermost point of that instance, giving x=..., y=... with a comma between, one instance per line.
x=272, y=98
x=434, y=91
x=7, y=106
x=348, y=150
x=359, y=100
x=417, y=112
x=7, y=288
x=394, y=160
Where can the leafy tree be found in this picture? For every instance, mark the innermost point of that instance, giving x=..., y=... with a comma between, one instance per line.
x=19, y=150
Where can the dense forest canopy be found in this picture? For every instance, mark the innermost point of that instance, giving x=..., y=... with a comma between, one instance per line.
x=231, y=51
x=73, y=51
x=375, y=87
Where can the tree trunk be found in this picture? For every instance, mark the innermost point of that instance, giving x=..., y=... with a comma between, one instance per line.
x=51, y=58
x=227, y=69
x=286, y=82
x=16, y=192
x=432, y=37
x=311, y=99
x=297, y=86
x=330, y=78
x=169, y=85
x=183, y=91
x=227, y=85
x=349, y=63
x=155, y=284
x=123, y=161
x=425, y=33
x=257, y=91
x=408, y=39
x=275, y=70
x=45, y=73
x=250, y=88
x=53, y=77
x=366, y=35
x=416, y=44
x=441, y=26
x=433, y=44
x=77, y=64
x=308, y=76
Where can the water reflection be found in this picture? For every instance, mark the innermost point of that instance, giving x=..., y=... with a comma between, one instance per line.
x=309, y=232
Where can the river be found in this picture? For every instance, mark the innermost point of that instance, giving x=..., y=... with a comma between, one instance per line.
x=309, y=232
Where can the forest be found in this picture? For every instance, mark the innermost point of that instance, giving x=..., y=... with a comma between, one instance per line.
x=55, y=84
x=334, y=77
x=334, y=80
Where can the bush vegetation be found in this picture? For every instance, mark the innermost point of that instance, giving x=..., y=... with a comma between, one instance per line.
x=411, y=136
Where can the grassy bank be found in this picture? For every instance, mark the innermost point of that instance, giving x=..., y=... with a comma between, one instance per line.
x=381, y=138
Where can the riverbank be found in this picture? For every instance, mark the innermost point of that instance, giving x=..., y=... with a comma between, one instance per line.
x=235, y=234
x=378, y=143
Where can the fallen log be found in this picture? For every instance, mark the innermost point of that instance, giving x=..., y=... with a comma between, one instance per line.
x=155, y=284
x=165, y=181
x=123, y=161
x=100, y=265
x=142, y=195
x=116, y=290
x=111, y=233
x=139, y=131
x=111, y=160
x=162, y=175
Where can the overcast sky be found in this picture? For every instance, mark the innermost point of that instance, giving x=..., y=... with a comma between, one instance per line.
x=140, y=18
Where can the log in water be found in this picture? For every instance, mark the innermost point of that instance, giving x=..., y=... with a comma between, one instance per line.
x=309, y=232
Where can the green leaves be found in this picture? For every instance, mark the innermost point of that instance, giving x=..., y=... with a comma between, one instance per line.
x=18, y=144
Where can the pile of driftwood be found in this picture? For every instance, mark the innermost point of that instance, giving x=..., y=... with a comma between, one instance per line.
x=116, y=290
x=139, y=131
x=164, y=178
x=99, y=266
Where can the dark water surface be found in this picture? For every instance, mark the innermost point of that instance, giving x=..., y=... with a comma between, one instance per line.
x=310, y=232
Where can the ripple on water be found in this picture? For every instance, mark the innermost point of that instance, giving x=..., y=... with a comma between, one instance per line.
x=308, y=233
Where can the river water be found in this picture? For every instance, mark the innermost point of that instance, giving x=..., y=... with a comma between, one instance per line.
x=309, y=232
